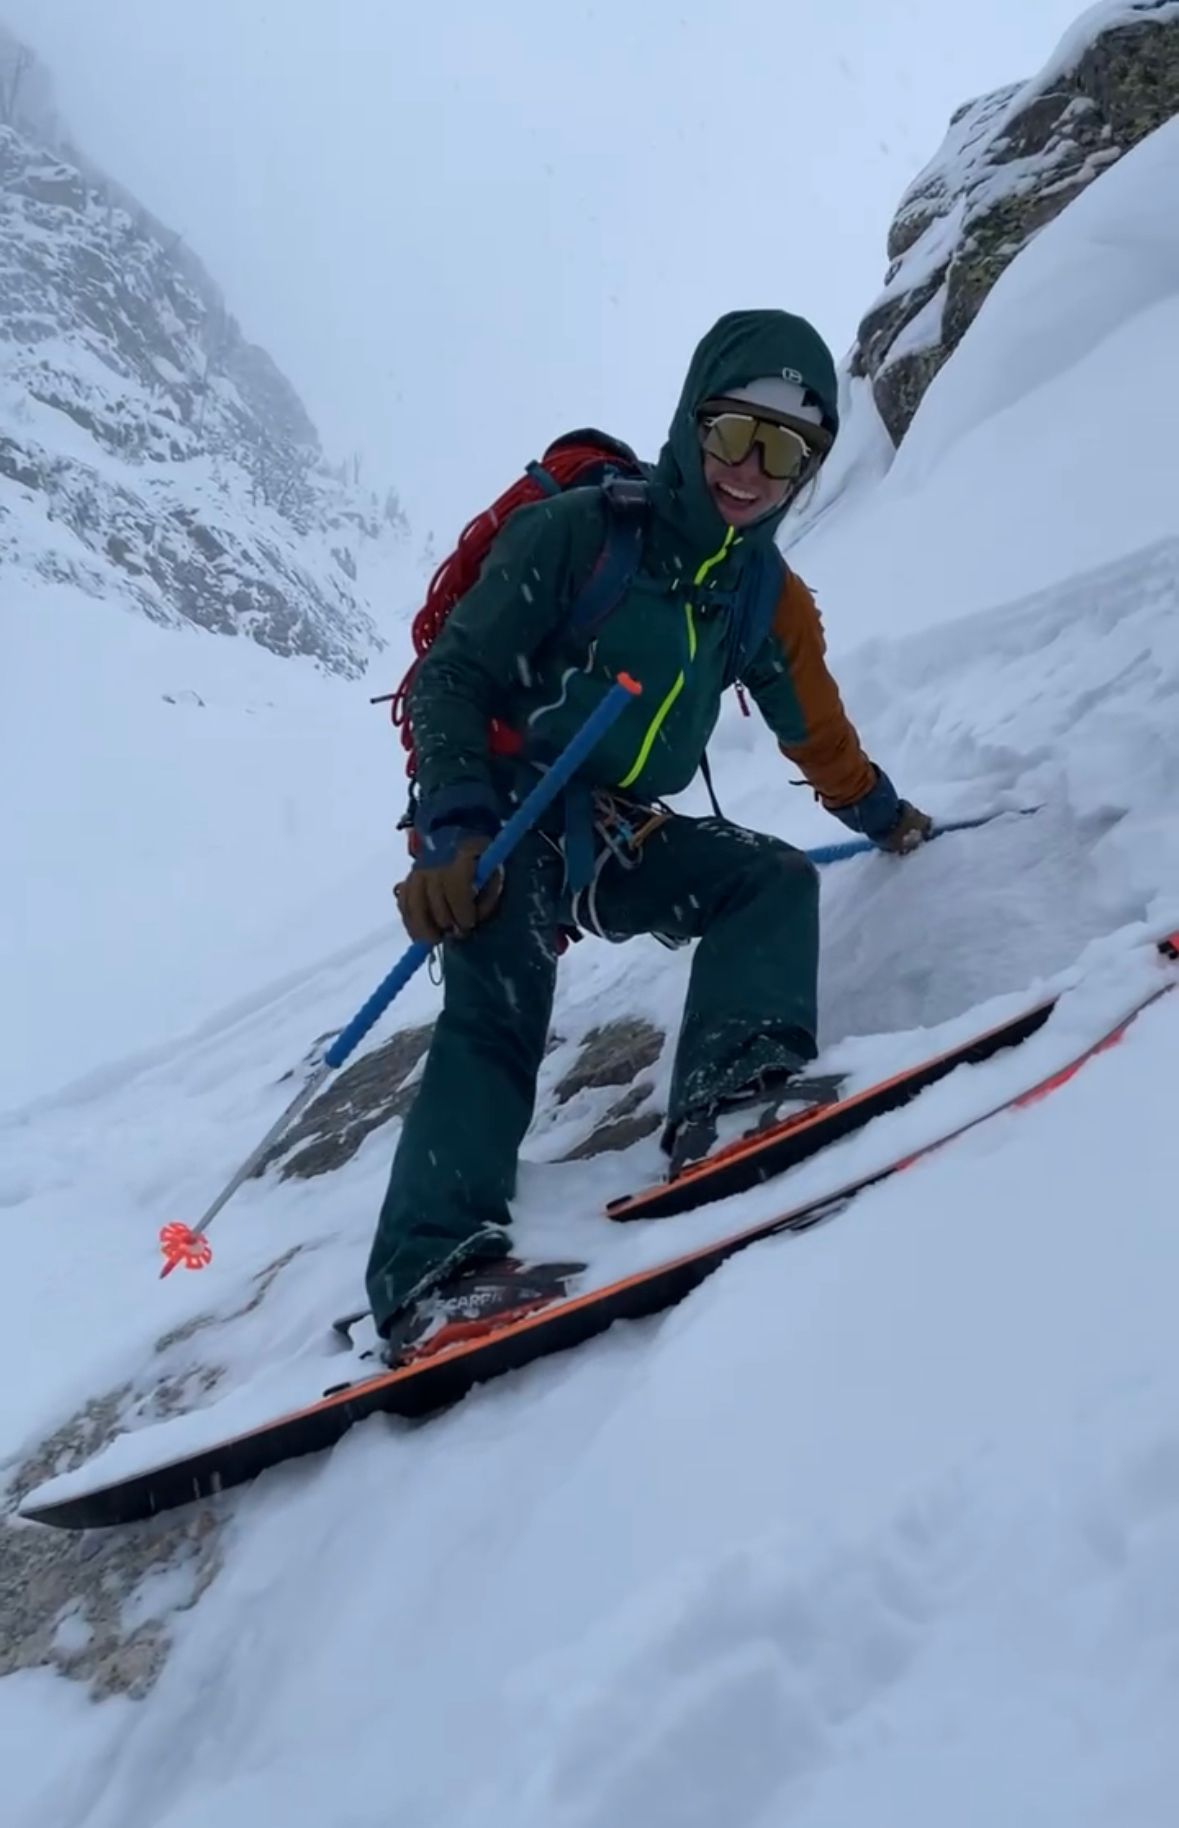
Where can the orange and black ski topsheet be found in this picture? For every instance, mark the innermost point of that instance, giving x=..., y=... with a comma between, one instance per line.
x=436, y=1381
x=761, y=1157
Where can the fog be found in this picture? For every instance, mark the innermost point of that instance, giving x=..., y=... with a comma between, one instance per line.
x=462, y=228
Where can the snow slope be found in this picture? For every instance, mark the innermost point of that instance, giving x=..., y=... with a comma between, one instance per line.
x=187, y=817
x=881, y=1522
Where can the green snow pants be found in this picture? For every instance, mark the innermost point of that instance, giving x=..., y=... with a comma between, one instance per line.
x=752, y=903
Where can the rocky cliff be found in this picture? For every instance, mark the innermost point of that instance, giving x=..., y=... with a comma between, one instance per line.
x=1010, y=163
x=148, y=452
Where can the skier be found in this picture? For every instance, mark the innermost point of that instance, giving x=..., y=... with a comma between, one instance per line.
x=755, y=421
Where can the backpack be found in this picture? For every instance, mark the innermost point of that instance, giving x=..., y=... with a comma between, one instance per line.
x=577, y=460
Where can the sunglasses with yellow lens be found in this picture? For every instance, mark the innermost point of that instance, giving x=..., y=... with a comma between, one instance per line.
x=785, y=455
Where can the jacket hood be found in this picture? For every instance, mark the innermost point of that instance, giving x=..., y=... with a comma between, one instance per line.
x=741, y=347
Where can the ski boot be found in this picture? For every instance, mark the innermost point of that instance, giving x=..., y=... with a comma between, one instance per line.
x=710, y=1129
x=477, y=1297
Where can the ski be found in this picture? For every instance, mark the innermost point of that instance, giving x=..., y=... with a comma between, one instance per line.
x=435, y=1380
x=770, y=1152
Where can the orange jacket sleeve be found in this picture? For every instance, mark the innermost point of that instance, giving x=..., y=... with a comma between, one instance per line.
x=800, y=701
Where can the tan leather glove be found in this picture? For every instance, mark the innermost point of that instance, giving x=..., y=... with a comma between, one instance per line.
x=438, y=901
x=910, y=830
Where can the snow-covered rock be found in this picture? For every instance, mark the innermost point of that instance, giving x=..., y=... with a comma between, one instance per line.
x=1010, y=163
x=1044, y=446
x=148, y=452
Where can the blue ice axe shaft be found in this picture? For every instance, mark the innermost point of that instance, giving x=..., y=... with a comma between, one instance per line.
x=414, y=957
x=501, y=847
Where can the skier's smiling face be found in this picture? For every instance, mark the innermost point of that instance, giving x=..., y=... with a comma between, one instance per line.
x=752, y=463
x=742, y=492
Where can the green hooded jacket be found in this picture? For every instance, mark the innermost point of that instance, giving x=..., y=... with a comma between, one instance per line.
x=507, y=650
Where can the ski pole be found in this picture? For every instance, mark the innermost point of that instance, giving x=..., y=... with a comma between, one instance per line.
x=858, y=847
x=186, y=1244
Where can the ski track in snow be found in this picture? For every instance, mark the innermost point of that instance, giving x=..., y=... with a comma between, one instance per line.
x=881, y=1522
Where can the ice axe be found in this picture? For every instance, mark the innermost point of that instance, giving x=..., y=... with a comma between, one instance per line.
x=187, y=1244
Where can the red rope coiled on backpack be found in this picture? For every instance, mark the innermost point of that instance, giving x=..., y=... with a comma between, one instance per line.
x=580, y=457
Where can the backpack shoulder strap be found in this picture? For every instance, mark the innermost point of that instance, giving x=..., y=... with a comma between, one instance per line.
x=627, y=503
x=757, y=600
